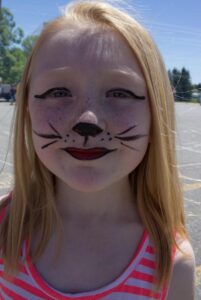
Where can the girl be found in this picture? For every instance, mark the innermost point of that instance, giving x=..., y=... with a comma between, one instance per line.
x=96, y=210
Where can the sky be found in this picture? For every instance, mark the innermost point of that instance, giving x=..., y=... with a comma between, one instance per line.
x=175, y=25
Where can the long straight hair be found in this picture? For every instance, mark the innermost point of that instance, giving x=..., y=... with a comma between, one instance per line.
x=155, y=181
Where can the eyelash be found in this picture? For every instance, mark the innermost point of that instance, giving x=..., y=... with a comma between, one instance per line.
x=123, y=93
x=117, y=93
x=55, y=92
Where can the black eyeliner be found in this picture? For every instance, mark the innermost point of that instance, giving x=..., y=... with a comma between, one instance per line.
x=129, y=92
x=43, y=96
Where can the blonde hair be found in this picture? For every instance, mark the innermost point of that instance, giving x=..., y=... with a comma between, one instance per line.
x=155, y=181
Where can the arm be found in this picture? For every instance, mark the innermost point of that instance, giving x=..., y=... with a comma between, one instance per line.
x=183, y=275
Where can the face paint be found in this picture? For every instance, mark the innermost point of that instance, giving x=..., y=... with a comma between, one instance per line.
x=127, y=94
x=55, y=93
x=58, y=92
x=79, y=87
x=86, y=130
x=49, y=136
x=129, y=138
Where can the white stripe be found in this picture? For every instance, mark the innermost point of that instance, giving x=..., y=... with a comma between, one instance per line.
x=125, y=296
x=20, y=275
x=146, y=270
x=19, y=290
x=150, y=256
x=140, y=283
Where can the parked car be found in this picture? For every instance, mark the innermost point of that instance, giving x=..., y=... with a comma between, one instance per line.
x=5, y=91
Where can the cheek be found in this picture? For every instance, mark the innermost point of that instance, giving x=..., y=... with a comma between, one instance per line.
x=42, y=115
x=138, y=115
x=118, y=117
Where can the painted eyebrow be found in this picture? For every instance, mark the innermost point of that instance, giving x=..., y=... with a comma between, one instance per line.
x=42, y=96
x=127, y=91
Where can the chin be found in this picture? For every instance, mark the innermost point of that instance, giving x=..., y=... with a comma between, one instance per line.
x=89, y=182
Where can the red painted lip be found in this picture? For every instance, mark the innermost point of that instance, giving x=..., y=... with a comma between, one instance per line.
x=87, y=154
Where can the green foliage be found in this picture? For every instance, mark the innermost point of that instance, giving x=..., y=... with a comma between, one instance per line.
x=28, y=43
x=16, y=65
x=12, y=57
x=8, y=33
x=181, y=84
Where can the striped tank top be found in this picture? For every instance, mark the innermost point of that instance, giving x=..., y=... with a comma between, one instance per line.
x=135, y=283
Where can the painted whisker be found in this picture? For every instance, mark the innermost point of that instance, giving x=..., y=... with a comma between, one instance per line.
x=126, y=130
x=47, y=136
x=131, y=138
x=54, y=129
x=45, y=146
x=129, y=147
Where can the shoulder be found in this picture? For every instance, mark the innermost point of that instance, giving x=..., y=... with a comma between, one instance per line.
x=183, y=274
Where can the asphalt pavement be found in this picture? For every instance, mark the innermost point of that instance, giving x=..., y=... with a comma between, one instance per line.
x=189, y=162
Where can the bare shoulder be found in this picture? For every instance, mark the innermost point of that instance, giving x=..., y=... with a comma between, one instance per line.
x=183, y=275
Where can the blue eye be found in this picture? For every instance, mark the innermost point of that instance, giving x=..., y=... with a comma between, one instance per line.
x=123, y=93
x=59, y=92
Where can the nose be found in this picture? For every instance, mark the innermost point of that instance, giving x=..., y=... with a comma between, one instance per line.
x=87, y=125
x=87, y=129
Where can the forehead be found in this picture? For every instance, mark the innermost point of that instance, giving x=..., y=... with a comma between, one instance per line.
x=85, y=50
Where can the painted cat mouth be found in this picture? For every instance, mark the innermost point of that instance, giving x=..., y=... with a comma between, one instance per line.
x=87, y=154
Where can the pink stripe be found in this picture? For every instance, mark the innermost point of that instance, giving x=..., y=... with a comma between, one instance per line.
x=140, y=291
x=139, y=249
x=150, y=250
x=148, y=263
x=166, y=286
x=21, y=268
x=27, y=287
x=12, y=294
x=143, y=276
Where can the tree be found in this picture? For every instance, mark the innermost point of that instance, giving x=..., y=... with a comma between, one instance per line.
x=9, y=36
x=181, y=83
x=28, y=43
x=198, y=86
x=15, y=61
x=185, y=84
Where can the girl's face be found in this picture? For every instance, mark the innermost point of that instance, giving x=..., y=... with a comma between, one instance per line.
x=89, y=108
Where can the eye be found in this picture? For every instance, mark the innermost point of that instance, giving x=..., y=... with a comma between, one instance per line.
x=123, y=93
x=60, y=93
x=57, y=92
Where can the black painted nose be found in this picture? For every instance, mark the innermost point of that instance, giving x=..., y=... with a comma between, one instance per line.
x=87, y=129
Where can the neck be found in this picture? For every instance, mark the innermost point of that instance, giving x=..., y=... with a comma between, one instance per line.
x=115, y=203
